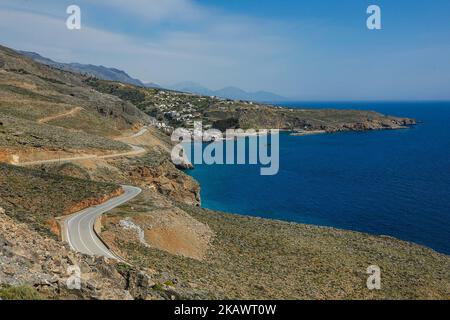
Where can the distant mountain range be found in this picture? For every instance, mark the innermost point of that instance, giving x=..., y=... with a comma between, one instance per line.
x=228, y=92
x=100, y=72
x=114, y=74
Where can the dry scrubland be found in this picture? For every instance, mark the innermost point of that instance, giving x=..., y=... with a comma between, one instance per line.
x=36, y=197
x=30, y=92
x=34, y=266
x=255, y=258
x=16, y=133
x=177, y=249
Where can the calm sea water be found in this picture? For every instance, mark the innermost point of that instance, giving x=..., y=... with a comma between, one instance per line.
x=393, y=183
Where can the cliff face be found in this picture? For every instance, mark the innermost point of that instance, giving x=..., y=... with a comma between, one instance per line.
x=168, y=181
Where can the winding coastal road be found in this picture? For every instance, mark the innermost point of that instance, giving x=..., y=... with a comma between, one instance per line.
x=79, y=227
x=134, y=152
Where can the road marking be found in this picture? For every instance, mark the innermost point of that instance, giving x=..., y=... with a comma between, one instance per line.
x=87, y=218
x=81, y=237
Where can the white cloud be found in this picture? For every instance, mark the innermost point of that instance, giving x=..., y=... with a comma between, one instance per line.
x=167, y=41
x=155, y=10
x=226, y=51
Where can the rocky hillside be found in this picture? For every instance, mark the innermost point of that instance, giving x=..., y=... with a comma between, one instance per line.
x=33, y=266
x=31, y=90
x=100, y=72
x=50, y=113
x=174, y=248
x=36, y=197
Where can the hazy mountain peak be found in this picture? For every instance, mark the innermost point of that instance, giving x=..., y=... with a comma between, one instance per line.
x=114, y=74
x=229, y=92
x=100, y=72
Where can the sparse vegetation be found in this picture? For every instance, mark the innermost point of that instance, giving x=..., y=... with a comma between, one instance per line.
x=169, y=283
x=22, y=133
x=253, y=258
x=27, y=94
x=19, y=293
x=34, y=197
x=158, y=287
x=31, y=90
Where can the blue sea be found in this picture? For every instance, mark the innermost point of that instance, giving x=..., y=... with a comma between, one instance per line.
x=394, y=183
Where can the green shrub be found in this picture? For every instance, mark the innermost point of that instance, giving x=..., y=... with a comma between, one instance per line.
x=169, y=283
x=158, y=287
x=19, y=293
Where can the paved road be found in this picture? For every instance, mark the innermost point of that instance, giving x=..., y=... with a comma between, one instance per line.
x=79, y=228
x=135, y=152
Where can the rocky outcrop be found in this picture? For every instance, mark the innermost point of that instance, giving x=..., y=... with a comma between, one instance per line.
x=183, y=164
x=55, y=227
x=168, y=181
x=387, y=123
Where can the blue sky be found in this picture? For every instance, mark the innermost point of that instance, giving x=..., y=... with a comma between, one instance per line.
x=309, y=50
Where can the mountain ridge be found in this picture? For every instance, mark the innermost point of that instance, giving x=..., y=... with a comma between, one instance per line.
x=114, y=74
x=102, y=72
